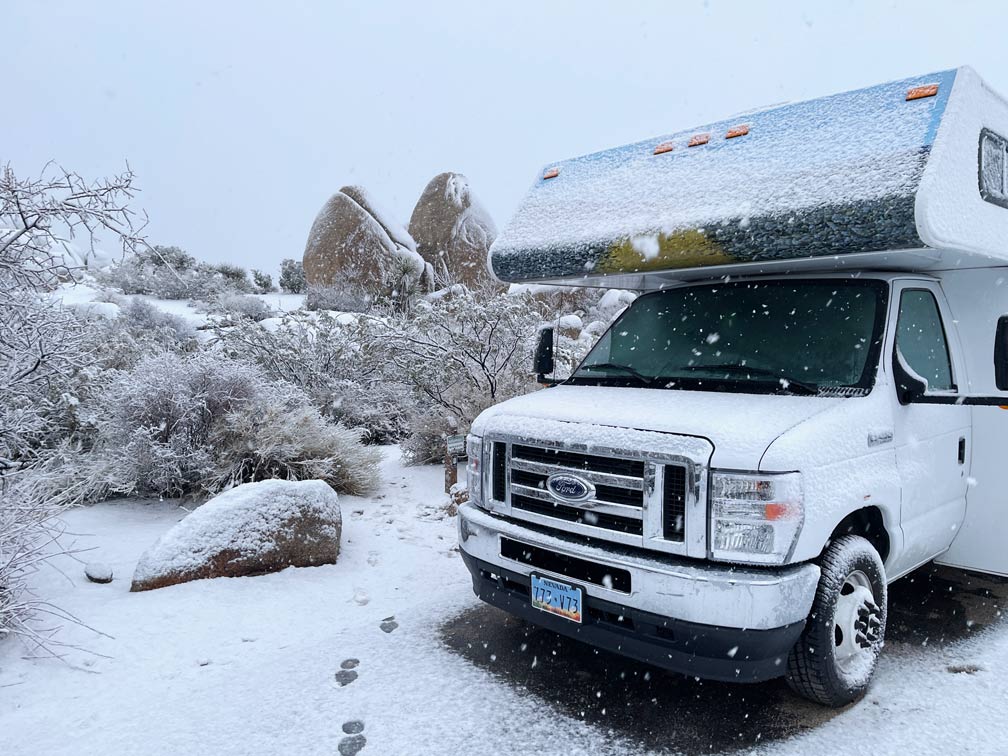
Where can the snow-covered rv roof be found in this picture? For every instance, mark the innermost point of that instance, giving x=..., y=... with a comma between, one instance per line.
x=907, y=175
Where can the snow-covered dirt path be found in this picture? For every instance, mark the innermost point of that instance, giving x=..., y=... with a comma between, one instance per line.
x=391, y=642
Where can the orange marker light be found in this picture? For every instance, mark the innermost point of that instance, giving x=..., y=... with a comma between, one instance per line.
x=737, y=131
x=664, y=147
x=697, y=139
x=551, y=173
x=775, y=511
x=919, y=93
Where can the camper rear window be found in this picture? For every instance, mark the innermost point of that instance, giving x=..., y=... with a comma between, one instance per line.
x=808, y=337
x=994, y=168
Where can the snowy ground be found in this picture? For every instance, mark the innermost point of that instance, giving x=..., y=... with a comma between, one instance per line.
x=266, y=665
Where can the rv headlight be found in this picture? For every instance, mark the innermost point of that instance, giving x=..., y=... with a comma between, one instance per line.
x=755, y=517
x=474, y=469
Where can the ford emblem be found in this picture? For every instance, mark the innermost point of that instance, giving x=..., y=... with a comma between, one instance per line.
x=570, y=488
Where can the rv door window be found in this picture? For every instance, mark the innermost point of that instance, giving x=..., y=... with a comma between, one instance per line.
x=920, y=337
x=994, y=168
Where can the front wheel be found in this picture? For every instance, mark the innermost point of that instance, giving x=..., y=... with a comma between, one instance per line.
x=834, y=659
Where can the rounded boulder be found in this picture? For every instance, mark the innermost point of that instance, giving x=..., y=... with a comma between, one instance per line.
x=251, y=529
x=453, y=231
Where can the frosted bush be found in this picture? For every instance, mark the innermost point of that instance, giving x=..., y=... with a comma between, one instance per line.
x=341, y=298
x=179, y=425
x=285, y=437
x=263, y=282
x=235, y=276
x=292, y=276
x=461, y=352
x=236, y=307
x=339, y=361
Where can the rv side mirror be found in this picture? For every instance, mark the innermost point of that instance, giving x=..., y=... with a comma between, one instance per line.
x=543, y=363
x=909, y=385
x=1001, y=354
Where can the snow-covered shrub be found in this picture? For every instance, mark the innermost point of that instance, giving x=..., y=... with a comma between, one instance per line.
x=179, y=425
x=237, y=307
x=172, y=273
x=172, y=256
x=285, y=437
x=263, y=282
x=461, y=352
x=339, y=361
x=235, y=275
x=338, y=298
x=292, y=276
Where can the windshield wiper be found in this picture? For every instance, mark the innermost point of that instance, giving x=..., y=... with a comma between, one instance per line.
x=786, y=381
x=617, y=366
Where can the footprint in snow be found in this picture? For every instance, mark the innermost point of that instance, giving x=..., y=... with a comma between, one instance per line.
x=347, y=673
x=355, y=740
x=388, y=624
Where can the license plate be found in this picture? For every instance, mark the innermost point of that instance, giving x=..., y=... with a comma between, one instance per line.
x=556, y=598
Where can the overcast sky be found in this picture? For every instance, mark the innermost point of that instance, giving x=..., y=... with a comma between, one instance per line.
x=240, y=119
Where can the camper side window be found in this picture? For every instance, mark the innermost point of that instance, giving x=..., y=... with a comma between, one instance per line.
x=920, y=338
x=994, y=168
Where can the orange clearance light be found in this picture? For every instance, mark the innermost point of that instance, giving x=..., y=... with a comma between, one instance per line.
x=775, y=511
x=551, y=173
x=664, y=147
x=919, y=93
x=737, y=131
x=697, y=139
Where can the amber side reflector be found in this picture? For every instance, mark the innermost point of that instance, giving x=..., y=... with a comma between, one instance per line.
x=919, y=93
x=551, y=173
x=664, y=147
x=697, y=139
x=1004, y=406
x=737, y=131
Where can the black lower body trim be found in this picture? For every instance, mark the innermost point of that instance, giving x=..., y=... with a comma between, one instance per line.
x=707, y=651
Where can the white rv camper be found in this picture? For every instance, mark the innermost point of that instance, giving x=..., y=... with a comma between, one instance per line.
x=803, y=405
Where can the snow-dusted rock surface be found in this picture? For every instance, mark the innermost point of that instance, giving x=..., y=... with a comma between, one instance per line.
x=352, y=243
x=453, y=231
x=97, y=572
x=249, y=530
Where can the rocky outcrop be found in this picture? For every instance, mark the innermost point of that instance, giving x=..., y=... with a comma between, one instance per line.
x=252, y=529
x=354, y=246
x=453, y=231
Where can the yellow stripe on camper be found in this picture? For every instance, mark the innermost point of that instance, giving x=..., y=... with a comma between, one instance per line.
x=680, y=249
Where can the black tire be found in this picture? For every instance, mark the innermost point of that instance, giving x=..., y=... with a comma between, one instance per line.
x=813, y=669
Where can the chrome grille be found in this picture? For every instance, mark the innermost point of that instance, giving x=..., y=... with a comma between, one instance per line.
x=639, y=499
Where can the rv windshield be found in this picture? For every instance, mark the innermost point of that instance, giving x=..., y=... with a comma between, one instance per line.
x=804, y=337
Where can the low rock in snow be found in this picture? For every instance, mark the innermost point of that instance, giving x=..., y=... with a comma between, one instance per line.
x=98, y=573
x=250, y=530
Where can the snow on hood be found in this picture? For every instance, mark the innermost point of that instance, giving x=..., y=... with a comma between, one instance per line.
x=740, y=426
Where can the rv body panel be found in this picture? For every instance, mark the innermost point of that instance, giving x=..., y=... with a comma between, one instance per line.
x=977, y=300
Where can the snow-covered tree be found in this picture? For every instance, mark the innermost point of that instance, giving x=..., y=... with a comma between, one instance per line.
x=42, y=219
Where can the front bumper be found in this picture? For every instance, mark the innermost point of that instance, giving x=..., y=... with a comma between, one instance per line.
x=714, y=621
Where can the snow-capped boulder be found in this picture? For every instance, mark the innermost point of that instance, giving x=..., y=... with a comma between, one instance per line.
x=453, y=231
x=250, y=530
x=352, y=244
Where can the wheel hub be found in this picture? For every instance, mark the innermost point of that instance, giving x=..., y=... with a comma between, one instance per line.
x=857, y=623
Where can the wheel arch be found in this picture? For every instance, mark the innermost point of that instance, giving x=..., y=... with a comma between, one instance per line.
x=869, y=523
